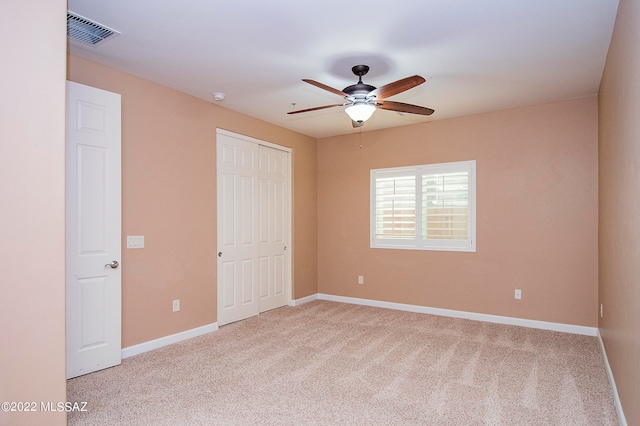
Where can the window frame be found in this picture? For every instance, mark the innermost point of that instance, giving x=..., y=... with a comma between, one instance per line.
x=417, y=242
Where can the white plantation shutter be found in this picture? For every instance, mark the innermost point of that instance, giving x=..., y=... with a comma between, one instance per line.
x=395, y=206
x=445, y=206
x=428, y=207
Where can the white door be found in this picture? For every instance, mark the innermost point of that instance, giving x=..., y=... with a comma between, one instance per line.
x=253, y=227
x=93, y=223
x=238, y=248
x=273, y=227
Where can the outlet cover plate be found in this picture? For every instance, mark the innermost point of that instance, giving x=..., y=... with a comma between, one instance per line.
x=135, y=241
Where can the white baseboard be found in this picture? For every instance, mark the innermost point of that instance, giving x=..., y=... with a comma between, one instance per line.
x=616, y=399
x=168, y=340
x=188, y=334
x=307, y=299
x=564, y=328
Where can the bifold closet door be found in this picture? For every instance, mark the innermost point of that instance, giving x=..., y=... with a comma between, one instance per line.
x=238, y=214
x=253, y=228
x=273, y=263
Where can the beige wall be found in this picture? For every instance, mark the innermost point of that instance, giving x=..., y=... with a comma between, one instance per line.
x=619, y=156
x=32, y=111
x=536, y=215
x=168, y=195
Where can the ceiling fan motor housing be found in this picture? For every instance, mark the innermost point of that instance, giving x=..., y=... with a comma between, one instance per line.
x=359, y=90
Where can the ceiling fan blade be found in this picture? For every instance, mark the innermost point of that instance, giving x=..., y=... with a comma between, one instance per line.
x=314, y=109
x=357, y=124
x=397, y=87
x=325, y=87
x=401, y=107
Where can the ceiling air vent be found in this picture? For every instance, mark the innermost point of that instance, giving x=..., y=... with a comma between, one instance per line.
x=87, y=31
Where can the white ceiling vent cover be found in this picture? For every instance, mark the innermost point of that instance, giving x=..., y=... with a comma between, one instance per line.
x=87, y=31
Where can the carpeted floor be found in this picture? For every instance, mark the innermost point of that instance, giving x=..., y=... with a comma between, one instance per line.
x=328, y=363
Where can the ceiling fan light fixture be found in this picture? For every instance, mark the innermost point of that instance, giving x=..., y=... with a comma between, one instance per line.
x=362, y=99
x=360, y=111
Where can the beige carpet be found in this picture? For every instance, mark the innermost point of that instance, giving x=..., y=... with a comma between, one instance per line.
x=327, y=363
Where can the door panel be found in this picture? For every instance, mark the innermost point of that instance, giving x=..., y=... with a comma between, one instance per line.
x=237, y=229
x=228, y=274
x=93, y=228
x=91, y=296
x=92, y=199
x=273, y=225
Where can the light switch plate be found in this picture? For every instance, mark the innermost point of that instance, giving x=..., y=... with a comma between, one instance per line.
x=135, y=241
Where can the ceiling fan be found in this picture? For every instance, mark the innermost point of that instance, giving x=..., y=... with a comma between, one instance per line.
x=363, y=99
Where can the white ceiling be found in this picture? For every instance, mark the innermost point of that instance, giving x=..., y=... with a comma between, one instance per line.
x=477, y=56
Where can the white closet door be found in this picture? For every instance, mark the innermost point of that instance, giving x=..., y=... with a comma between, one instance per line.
x=273, y=228
x=253, y=226
x=238, y=212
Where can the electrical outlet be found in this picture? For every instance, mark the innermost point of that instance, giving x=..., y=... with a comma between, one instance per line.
x=518, y=294
x=176, y=305
x=601, y=311
x=360, y=279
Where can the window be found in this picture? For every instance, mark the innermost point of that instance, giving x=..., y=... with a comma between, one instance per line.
x=428, y=207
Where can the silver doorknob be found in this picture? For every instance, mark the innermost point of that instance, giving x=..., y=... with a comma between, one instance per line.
x=112, y=265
